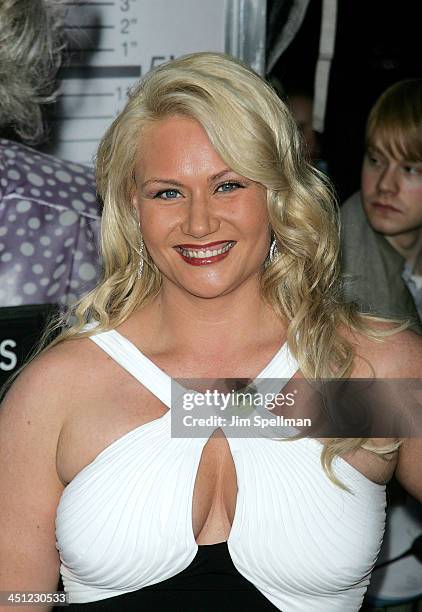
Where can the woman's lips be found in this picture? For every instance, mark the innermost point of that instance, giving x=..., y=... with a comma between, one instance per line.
x=200, y=255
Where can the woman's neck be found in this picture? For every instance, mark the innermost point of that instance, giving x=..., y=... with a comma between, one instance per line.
x=176, y=319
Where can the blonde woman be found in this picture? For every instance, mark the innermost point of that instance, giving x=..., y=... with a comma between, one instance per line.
x=220, y=249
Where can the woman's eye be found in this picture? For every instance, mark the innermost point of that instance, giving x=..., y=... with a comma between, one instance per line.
x=167, y=194
x=229, y=186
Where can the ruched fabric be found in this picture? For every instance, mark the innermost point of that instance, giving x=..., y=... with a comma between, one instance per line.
x=125, y=521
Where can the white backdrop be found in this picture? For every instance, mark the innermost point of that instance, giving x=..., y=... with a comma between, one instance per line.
x=117, y=41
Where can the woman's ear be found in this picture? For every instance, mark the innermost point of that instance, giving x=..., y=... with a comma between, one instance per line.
x=135, y=199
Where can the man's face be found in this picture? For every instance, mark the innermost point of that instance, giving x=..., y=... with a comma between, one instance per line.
x=391, y=191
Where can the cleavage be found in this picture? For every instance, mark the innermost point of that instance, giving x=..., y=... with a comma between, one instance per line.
x=215, y=492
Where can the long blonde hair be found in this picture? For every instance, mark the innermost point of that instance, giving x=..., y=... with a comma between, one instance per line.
x=254, y=133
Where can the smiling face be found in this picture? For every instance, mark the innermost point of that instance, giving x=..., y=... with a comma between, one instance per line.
x=205, y=226
x=391, y=191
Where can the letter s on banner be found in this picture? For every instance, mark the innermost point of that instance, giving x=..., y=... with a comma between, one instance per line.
x=9, y=355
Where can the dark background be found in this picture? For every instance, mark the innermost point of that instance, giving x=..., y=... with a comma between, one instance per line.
x=377, y=44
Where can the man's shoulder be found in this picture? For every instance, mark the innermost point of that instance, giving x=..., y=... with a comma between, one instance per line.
x=352, y=211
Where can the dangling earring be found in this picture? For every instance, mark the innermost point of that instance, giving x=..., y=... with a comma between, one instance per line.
x=274, y=252
x=141, y=259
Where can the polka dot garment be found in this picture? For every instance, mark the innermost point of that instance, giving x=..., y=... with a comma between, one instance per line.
x=49, y=224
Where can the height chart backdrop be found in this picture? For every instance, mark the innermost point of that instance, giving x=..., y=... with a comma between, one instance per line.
x=113, y=43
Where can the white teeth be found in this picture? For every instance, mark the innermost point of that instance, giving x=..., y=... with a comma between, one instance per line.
x=208, y=253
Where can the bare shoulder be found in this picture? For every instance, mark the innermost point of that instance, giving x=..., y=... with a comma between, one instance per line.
x=42, y=383
x=390, y=355
x=31, y=418
x=37, y=404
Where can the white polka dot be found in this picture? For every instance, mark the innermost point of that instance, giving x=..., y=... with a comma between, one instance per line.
x=37, y=269
x=59, y=271
x=63, y=194
x=51, y=182
x=18, y=267
x=3, y=230
x=87, y=271
x=71, y=297
x=73, y=188
x=9, y=153
x=78, y=255
x=88, y=197
x=48, y=217
x=47, y=253
x=11, y=218
x=78, y=205
x=27, y=249
x=58, y=231
x=45, y=240
x=13, y=175
x=23, y=206
x=53, y=289
x=48, y=193
x=29, y=288
x=59, y=258
x=34, y=223
x=76, y=168
x=35, y=179
x=20, y=232
x=63, y=176
x=69, y=217
x=47, y=169
x=6, y=257
x=68, y=242
x=2, y=247
x=80, y=180
x=16, y=300
x=36, y=192
x=3, y=182
x=74, y=284
x=44, y=282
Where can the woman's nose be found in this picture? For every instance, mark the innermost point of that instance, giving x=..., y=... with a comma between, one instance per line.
x=200, y=219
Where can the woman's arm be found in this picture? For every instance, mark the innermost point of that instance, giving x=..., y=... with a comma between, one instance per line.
x=31, y=417
x=409, y=466
x=404, y=361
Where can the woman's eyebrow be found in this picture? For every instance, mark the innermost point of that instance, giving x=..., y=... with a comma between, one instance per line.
x=162, y=180
x=170, y=181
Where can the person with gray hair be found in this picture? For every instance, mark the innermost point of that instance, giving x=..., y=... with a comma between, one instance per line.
x=49, y=214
